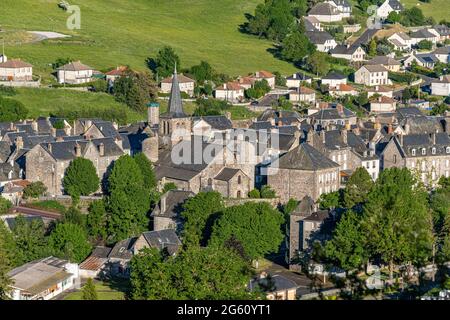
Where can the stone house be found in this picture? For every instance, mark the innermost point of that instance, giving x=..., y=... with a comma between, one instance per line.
x=427, y=155
x=232, y=183
x=334, y=114
x=372, y=75
x=47, y=162
x=303, y=171
x=166, y=214
x=304, y=226
x=186, y=84
x=16, y=70
x=113, y=75
x=75, y=73
x=162, y=240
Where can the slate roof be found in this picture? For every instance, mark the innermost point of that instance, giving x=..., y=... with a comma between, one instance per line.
x=442, y=29
x=123, y=249
x=375, y=68
x=175, y=109
x=226, y=174
x=279, y=283
x=323, y=9
x=396, y=5
x=332, y=113
x=11, y=222
x=334, y=76
x=5, y=150
x=343, y=49
x=217, y=122
x=422, y=34
x=442, y=50
x=305, y=157
x=272, y=113
x=427, y=58
x=334, y=140
x=163, y=239
x=174, y=200
x=75, y=66
x=181, y=79
x=106, y=128
x=383, y=60
x=305, y=207
x=420, y=141
x=318, y=216
x=318, y=37
x=298, y=76
x=6, y=168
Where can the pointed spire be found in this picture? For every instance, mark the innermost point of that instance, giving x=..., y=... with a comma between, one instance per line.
x=175, y=102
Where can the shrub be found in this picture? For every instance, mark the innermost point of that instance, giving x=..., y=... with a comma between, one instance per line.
x=254, y=194
x=34, y=190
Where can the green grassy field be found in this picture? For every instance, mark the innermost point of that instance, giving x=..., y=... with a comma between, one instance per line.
x=118, y=32
x=438, y=9
x=43, y=101
x=104, y=292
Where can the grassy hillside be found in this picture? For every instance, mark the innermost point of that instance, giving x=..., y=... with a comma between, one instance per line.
x=438, y=9
x=117, y=32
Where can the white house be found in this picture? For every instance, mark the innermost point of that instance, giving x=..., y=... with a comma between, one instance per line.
x=42, y=279
x=75, y=73
x=426, y=60
x=333, y=79
x=295, y=80
x=264, y=75
x=322, y=40
x=401, y=41
x=342, y=90
x=15, y=70
x=230, y=91
x=387, y=7
x=115, y=74
x=303, y=94
x=347, y=52
x=423, y=35
x=382, y=104
x=389, y=63
x=312, y=24
x=344, y=7
x=187, y=84
x=443, y=54
x=372, y=75
x=325, y=12
x=380, y=90
x=441, y=87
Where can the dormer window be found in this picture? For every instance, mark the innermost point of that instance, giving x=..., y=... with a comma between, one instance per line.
x=433, y=150
x=424, y=151
x=413, y=152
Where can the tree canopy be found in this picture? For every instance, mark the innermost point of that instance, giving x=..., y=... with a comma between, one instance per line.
x=81, y=178
x=69, y=241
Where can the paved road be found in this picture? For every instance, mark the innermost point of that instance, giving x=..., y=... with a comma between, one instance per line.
x=37, y=212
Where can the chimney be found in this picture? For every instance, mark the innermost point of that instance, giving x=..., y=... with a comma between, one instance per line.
x=340, y=108
x=344, y=136
x=407, y=127
x=280, y=123
x=19, y=143
x=101, y=149
x=34, y=126
x=433, y=138
x=77, y=150
x=401, y=140
x=347, y=125
x=390, y=128
x=228, y=115
x=11, y=126
x=49, y=147
x=53, y=132
x=67, y=130
x=272, y=121
x=163, y=204
x=119, y=142
x=322, y=135
x=115, y=125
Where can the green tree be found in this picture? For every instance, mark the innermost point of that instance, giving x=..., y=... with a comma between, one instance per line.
x=372, y=47
x=146, y=167
x=279, y=79
x=30, y=240
x=128, y=202
x=74, y=216
x=202, y=72
x=267, y=192
x=6, y=261
x=199, y=214
x=425, y=45
x=34, y=190
x=257, y=226
x=96, y=220
x=135, y=89
x=5, y=205
x=69, y=241
x=169, y=186
x=165, y=62
x=397, y=221
x=347, y=246
x=330, y=200
x=254, y=194
x=318, y=63
x=358, y=186
x=12, y=110
x=89, y=292
x=81, y=178
x=296, y=47
x=195, y=274
x=394, y=17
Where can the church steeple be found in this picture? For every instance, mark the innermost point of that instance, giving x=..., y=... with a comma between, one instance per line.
x=175, y=102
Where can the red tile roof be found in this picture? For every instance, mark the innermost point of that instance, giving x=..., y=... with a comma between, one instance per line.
x=117, y=72
x=230, y=86
x=382, y=99
x=306, y=90
x=264, y=74
x=15, y=64
x=343, y=87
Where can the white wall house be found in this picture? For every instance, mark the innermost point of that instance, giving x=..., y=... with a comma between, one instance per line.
x=325, y=12
x=187, y=84
x=322, y=40
x=334, y=79
x=295, y=80
x=303, y=94
x=382, y=104
x=387, y=7
x=230, y=91
x=43, y=279
x=264, y=75
x=350, y=53
x=75, y=73
x=380, y=90
x=372, y=75
x=15, y=70
x=344, y=7
x=441, y=87
x=401, y=41
x=342, y=90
